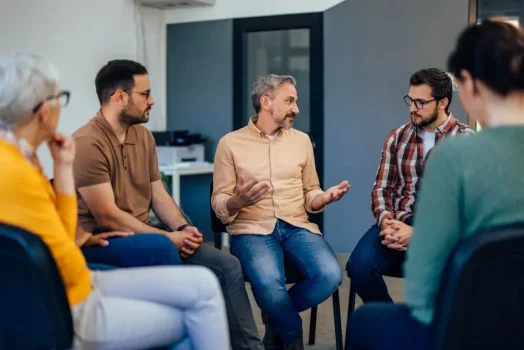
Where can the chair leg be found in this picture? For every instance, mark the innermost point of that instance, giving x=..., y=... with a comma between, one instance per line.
x=313, y=326
x=351, y=308
x=218, y=240
x=338, y=321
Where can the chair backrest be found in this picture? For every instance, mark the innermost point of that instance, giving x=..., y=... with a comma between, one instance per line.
x=34, y=310
x=216, y=223
x=480, y=304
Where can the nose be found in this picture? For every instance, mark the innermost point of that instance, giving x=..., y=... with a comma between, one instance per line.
x=151, y=101
x=412, y=108
x=295, y=109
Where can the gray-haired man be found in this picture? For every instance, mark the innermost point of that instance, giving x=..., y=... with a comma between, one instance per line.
x=265, y=183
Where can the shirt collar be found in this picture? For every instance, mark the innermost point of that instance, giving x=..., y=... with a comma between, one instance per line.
x=131, y=135
x=251, y=126
x=443, y=128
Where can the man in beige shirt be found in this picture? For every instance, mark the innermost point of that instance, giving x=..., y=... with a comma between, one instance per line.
x=265, y=183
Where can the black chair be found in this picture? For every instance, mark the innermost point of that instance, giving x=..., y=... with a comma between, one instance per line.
x=397, y=273
x=293, y=276
x=480, y=304
x=34, y=310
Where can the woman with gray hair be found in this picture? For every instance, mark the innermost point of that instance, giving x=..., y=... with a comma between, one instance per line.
x=121, y=309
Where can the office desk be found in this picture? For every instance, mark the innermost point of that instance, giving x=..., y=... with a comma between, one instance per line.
x=184, y=169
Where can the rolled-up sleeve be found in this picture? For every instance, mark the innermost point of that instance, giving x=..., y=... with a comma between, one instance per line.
x=310, y=181
x=224, y=182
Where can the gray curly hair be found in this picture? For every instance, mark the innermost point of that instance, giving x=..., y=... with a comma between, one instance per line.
x=267, y=85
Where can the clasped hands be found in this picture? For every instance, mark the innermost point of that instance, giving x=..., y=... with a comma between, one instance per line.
x=395, y=234
x=187, y=241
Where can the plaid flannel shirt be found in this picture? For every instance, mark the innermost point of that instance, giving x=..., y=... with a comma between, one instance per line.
x=397, y=182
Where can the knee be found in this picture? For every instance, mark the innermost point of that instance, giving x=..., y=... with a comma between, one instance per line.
x=206, y=283
x=357, y=265
x=230, y=267
x=329, y=275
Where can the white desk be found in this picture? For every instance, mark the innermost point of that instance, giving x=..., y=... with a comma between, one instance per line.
x=184, y=169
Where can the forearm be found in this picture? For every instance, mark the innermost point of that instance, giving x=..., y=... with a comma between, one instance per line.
x=82, y=236
x=317, y=203
x=168, y=212
x=233, y=206
x=64, y=182
x=119, y=220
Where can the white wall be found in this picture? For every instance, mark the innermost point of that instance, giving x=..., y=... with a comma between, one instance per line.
x=224, y=9
x=79, y=36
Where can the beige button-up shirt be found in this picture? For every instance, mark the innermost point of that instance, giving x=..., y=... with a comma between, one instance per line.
x=287, y=161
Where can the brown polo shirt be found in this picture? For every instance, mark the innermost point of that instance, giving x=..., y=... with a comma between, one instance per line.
x=129, y=167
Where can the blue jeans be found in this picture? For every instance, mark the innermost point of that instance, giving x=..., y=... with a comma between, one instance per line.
x=369, y=261
x=141, y=249
x=385, y=326
x=263, y=258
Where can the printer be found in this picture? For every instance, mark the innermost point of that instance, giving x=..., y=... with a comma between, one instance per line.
x=175, y=147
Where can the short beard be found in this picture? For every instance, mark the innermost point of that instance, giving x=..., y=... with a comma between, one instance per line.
x=429, y=121
x=129, y=118
x=281, y=123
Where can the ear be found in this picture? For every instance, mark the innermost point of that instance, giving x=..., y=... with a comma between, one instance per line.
x=442, y=104
x=265, y=102
x=467, y=84
x=43, y=112
x=120, y=97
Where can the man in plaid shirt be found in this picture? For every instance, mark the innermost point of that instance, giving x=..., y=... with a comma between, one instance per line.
x=381, y=251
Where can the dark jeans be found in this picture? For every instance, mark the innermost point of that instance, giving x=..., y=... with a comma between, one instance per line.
x=146, y=249
x=242, y=327
x=387, y=326
x=369, y=261
x=263, y=258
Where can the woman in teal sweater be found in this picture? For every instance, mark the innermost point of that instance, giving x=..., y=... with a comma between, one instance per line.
x=470, y=184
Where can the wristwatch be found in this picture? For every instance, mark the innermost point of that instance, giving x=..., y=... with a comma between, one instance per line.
x=182, y=227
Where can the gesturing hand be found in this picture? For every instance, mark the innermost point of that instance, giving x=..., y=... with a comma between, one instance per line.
x=249, y=192
x=334, y=193
x=62, y=149
x=101, y=239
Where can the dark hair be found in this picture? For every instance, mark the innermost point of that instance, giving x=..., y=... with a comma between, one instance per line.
x=116, y=74
x=492, y=52
x=438, y=80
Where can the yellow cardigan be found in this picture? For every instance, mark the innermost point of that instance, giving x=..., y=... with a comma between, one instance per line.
x=28, y=200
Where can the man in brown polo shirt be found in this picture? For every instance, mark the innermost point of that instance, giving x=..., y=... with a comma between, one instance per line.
x=265, y=183
x=118, y=180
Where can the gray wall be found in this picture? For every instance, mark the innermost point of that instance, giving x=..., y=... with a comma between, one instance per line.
x=371, y=49
x=200, y=79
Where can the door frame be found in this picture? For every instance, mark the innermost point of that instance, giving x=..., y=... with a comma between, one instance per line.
x=315, y=23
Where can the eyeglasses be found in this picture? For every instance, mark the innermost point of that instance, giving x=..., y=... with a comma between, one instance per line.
x=418, y=102
x=62, y=97
x=146, y=93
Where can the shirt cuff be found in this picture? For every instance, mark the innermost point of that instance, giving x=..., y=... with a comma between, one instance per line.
x=220, y=207
x=382, y=215
x=310, y=196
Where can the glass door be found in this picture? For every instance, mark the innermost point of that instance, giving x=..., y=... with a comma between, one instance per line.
x=285, y=45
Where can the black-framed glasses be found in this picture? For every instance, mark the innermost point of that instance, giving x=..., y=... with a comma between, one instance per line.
x=62, y=97
x=146, y=93
x=419, y=103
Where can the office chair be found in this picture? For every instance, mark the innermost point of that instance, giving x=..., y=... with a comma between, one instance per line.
x=35, y=312
x=480, y=303
x=292, y=276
